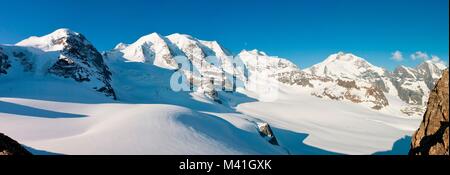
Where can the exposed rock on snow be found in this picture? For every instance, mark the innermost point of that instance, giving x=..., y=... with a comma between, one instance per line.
x=266, y=132
x=4, y=62
x=344, y=76
x=297, y=77
x=414, y=85
x=432, y=137
x=336, y=89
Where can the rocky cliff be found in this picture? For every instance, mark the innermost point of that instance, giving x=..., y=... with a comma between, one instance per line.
x=432, y=137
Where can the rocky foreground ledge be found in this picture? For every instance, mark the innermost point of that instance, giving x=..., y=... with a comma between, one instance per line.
x=432, y=137
x=9, y=146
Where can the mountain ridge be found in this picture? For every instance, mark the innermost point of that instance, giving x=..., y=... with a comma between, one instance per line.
x=341, y=76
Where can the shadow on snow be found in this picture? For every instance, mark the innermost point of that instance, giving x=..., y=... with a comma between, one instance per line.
x=400, y=147
x=17, y=109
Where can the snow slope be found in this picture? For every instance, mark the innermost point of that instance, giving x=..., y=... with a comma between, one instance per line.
x=88, y=123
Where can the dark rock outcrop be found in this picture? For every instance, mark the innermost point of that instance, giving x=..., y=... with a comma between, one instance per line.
x=432, y=137
x=266, y=132
x=9, y=146
x=4, y=62
x=295, y=78
x=24, y=61
x=347, y=84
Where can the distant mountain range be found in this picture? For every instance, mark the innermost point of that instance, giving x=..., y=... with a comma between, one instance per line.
x=341, y=76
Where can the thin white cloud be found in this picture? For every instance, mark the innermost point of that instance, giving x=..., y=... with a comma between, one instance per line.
x=436, y=59
x=420, y=55
x=397, y=56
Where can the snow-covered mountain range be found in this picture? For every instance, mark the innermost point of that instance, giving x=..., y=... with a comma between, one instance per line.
x=342, y=76
x=78, y=97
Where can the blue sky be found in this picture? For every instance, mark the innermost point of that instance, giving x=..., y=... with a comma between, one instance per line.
x=305, y=32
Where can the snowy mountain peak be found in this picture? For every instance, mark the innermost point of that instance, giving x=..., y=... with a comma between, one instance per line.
x=405, y=72
x=63, y=32
x=121, y=46
x=152, y=48
x=431, y=71
x=344, y=57
x=53, y=41
x=179, y=36
x=344, y=65
x=150, y=38
x=431, y=66
x=254, y=52
x=431, y=63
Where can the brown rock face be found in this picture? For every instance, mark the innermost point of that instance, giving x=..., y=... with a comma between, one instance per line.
x=9, y=146
x=433, y=135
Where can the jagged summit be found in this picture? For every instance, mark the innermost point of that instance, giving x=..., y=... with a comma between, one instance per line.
x=431, y=67
x=405, y=72
x=160, y=50
x=438, y=64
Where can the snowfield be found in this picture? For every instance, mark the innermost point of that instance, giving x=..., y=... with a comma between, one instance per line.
x=334, y=126
x=57, y=117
